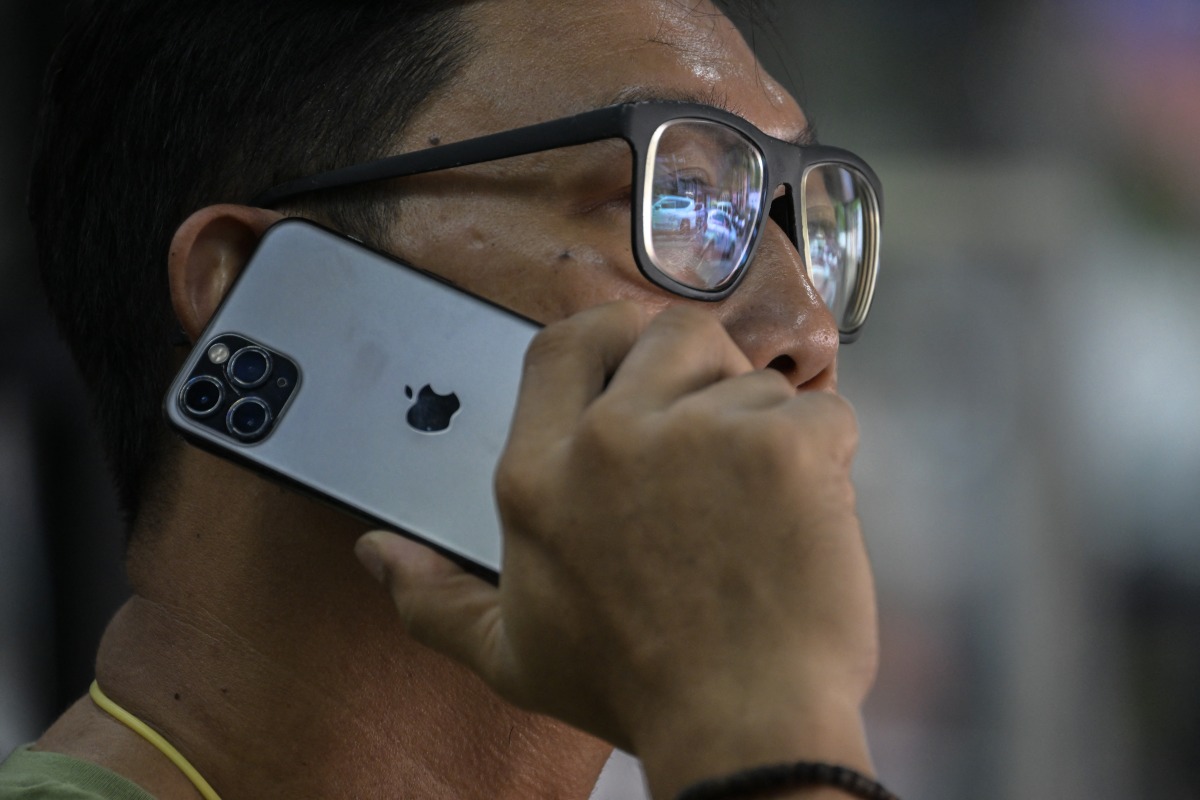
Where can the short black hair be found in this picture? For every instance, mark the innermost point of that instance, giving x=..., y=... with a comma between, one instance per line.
x=155, y=108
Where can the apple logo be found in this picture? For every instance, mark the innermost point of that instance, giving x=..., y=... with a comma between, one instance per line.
x=431, y=412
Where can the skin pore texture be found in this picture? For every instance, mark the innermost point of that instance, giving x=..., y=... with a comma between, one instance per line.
x=255, y=642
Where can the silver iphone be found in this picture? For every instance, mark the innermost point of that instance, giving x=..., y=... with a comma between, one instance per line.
x=365, y=381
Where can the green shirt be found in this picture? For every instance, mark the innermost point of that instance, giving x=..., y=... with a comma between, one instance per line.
x=30, y=775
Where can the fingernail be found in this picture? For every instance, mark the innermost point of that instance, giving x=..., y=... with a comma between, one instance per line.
x=367, y=551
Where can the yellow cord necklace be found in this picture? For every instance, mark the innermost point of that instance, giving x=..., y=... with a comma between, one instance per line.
x=146, y=732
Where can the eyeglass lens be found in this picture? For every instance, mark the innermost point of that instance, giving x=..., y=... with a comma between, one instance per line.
x=835, y=237
x=705, y=194
x=702, y=207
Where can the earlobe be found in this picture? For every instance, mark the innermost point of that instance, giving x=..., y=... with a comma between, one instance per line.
x=207, y=254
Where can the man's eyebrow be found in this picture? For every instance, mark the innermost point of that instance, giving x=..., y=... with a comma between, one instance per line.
x=640, y=94
x=806, y=137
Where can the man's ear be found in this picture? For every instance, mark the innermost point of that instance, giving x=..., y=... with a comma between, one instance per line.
x=207, y=254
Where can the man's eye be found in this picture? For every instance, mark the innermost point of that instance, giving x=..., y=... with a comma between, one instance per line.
x=673, y=180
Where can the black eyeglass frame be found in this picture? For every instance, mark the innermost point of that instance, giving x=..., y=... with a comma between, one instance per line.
x=784, y=164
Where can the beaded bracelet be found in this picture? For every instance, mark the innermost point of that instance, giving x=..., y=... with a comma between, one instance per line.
x=775, y=777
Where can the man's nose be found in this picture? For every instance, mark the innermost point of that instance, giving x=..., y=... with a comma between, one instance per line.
x=779, y=320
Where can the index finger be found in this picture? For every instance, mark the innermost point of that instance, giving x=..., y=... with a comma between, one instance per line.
x=682, y=351
x=568, y=365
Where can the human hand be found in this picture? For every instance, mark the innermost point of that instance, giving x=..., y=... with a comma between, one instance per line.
x=683, y=573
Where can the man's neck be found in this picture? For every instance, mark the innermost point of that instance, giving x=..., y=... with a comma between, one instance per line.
x=275, y=665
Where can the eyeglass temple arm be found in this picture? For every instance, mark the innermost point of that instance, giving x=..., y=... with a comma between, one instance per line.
x=590, y=126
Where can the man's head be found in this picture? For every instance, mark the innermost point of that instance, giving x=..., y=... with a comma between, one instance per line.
x=155, y=108
x=158, y=109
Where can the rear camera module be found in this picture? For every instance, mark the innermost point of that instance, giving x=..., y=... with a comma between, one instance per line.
x=249, y=367
x=202, y=396
x=237, y=391
x=248, y=418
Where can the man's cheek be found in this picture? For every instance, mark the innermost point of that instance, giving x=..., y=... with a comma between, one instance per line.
x=590, y=266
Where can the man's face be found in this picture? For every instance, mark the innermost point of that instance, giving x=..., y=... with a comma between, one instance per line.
x=549, y=234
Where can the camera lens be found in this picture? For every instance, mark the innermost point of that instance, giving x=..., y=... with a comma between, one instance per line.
x=248, y=418
x=202, y=396
x=249, y=367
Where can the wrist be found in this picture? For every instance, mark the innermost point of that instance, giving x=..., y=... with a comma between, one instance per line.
x=710, y=739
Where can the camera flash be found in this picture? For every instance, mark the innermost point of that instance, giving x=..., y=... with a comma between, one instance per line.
x=218, y=353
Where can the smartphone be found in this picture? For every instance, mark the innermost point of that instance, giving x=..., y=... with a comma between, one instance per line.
x=362, y=380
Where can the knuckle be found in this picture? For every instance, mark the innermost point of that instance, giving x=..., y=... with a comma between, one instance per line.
x=579, y=335
x=843, y=428
x=839, y=410
x=554, y=342
x=603, y=433
x=819, y=441
x=518, y=488
x=830, y=420
x=771, y=383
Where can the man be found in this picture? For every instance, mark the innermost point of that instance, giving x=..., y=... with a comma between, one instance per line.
x=683, y=574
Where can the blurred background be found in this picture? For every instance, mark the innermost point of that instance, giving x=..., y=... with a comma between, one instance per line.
x=1028, y=389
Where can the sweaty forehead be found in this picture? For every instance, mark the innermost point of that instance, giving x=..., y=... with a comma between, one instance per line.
x=540, y=59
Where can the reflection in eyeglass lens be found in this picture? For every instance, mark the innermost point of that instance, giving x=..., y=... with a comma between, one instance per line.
x=835, y=230
x=705, y=195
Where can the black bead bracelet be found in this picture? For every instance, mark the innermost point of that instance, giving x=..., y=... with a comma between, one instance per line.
x=775, y=777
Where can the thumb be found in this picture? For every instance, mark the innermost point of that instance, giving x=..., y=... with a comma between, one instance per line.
x=441, y=605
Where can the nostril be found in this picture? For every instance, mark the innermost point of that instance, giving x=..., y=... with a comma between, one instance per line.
x=785, y=364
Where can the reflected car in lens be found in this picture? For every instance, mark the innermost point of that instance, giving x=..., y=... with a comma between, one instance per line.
x=739, y=222
x=674, y=212
x=721, y=233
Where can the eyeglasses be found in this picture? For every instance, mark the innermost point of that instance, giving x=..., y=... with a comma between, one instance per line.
x=704, y=183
